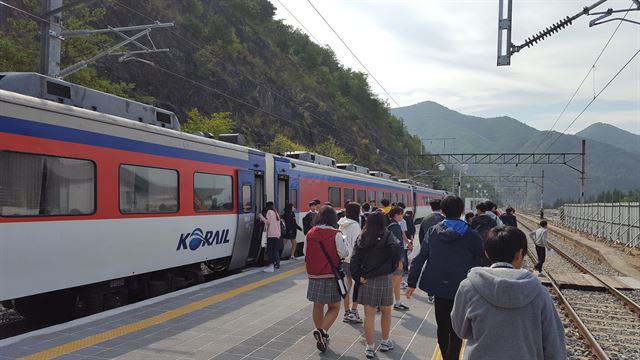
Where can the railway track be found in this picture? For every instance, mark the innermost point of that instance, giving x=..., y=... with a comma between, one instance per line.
x=608, y=321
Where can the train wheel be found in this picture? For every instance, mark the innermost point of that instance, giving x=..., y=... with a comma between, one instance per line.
x=55, y=306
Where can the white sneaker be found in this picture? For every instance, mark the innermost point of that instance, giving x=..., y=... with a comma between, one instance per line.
x=269, y=269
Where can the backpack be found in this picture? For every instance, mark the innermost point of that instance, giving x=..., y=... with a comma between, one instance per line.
x=283, y=227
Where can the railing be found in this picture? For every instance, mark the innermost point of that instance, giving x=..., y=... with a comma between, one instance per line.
x=617, y=223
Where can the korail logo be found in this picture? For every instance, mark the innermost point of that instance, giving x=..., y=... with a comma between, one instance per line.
x=199, y=238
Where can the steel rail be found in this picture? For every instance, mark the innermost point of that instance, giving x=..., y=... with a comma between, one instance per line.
x=632, y=305
x=596, y=349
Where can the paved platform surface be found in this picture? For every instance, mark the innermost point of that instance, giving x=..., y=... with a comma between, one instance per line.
x=251, y=316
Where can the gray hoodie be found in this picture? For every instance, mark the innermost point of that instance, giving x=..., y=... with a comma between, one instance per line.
x=507, y=314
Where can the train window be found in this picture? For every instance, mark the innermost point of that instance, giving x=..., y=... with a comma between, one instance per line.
x=246, y=198
x=381, y=197
x=40, y=185
x=147, y=190
x=404, y=199
x=372, y=196
x=294, y=198
x=349, y=195
x=361, y=196
x=213, y=192
x=334, y=196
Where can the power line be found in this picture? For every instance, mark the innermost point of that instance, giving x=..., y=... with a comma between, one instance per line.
x=25, y=12
x=352, y=53
x=299, y=22
x=592, y=68
x=594, y=98
x=198, y=46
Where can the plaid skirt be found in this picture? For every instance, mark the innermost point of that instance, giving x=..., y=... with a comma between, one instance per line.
x=323, y=291
x=378, y=291
x=345, y=268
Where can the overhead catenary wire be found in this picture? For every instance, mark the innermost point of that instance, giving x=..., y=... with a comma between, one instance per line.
x=352, y=53
x=299, y=22
x=584, y=79
x=594, y=99
x=199, y=46
x=25, y=12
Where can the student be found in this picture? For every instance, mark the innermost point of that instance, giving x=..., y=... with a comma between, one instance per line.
x=411, y=232
x=323, y=288
x=350, y=228
x=289, y=217
x=503, y=311
x=307, y=220
x=492, y=211
x=508, y=219
x=482, y=223
x=468, y=217
x=396, y=214
x=272, y=227
x=540, y=237
x=386, y=206
x=452, y=248
x=375, y=257
x=431, y=219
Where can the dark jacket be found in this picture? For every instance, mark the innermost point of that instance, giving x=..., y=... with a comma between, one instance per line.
x=450, y=257
x=482, y=224
x=291, y=224
x=509, y=219
x=428, y=222
x=307, y=220
x=396, y=230
x=380, y=258
x=411, y=227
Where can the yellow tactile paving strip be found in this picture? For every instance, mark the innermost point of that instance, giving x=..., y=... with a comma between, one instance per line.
x=437, y=355
x=142, y=324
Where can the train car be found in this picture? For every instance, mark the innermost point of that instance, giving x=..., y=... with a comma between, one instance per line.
x=470, y=203
x=103, y=201
x=423, y=197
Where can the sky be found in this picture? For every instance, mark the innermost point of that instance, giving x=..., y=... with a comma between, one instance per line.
x=445, y=51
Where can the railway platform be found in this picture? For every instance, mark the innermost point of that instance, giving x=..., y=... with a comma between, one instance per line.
x=251, y=315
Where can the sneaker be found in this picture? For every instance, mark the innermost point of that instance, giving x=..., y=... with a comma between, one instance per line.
x=354, y=317
x=370, y=352
x=320, y=342
x=325, y=336
x=277, y=266
x=347, y=316
x=400, y=306
x=386, y=345
x=403, y=285
x=268, y=269
x=430, y=299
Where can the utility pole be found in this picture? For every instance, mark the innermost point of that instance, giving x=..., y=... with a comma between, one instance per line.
x=542, y=191
x=583, y=172
x=406, y=162
x=52, y=35
x=51, y=38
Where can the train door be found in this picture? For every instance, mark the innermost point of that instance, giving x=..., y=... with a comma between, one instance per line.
x=282, y=195
x=246, y=224
x=255, y=253
x=294, y=198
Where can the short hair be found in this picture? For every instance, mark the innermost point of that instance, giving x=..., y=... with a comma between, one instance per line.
x=503, y=243
x=435, y=204
x=452, y=207
x=326, y=216
x=269, y=203
x=469, y=215
x=312, y=203
x=543, y=223
x=352, y=211
x=402, y=205
x=366, y=207
x=490, y=205
x=482, y=207
x=384, y=202
x=396, y=210
x=510, y=209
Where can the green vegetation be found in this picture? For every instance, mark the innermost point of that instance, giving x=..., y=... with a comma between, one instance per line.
x=613, y=196
x=216, y=124
x=232, y=57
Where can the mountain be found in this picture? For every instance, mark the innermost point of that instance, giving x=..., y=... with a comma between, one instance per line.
x=229, y=57
x=607, y=166
x=612, y=135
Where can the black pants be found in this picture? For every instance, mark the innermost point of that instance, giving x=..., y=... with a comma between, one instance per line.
x=542, y=254
x=273, y=250
x=450, y=344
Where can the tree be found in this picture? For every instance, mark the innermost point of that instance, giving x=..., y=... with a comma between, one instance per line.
x=331, y=149
x=216, y=124
x=282, y=144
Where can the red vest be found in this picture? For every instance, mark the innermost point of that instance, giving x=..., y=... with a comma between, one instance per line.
x=317, y=265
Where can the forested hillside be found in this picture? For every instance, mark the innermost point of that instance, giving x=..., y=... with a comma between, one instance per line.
x=228, y=57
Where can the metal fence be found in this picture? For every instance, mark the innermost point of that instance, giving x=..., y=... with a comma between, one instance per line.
x=615, y=222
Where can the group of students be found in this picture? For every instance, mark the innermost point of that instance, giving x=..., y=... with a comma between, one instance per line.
x=503, y=311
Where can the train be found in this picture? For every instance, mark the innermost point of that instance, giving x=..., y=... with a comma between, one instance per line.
x=104, y=201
